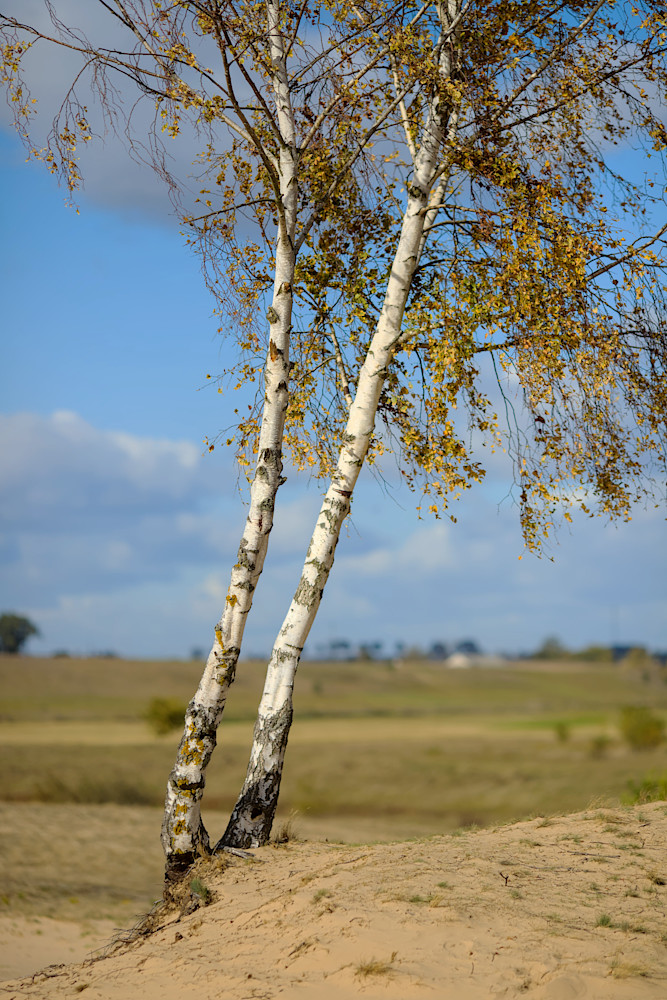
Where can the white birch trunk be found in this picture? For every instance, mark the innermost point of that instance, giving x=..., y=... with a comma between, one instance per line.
x=252, y=818
x=184, y=836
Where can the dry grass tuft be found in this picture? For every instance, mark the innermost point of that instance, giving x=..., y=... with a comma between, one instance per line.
x=376, y=967
x=627, y=970
x=286, y=831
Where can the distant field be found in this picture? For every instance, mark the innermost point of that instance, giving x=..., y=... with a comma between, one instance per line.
x=376, y=753
x=417, y=743
x=36, y=689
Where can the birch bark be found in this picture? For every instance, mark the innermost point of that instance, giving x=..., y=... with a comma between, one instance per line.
x=184, y=836
x=252, y=817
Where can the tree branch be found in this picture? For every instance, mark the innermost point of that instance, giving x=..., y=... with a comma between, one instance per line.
x=628, y=256
x=344, y=380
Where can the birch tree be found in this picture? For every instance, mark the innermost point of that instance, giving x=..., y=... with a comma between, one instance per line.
x=285, y=102
x=416, y=226
x=504, y=250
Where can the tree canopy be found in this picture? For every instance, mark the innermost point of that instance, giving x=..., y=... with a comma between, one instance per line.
x=541, y=259
x=15, y=630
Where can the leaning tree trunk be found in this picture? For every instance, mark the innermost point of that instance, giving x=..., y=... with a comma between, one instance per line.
x=184, y=836
x=252, y=818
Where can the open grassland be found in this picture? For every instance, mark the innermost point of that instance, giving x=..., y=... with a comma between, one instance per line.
x=377, y=752
x=410, y=744
x=99, y=690
x=444, y=748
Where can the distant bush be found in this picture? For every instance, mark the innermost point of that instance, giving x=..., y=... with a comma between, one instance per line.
x=641, y=728
x=562, y=731
x=551, y=649
x=648, y=790
x=637, y=656
x=599, y=745
x=595, y=654
x=164, y=715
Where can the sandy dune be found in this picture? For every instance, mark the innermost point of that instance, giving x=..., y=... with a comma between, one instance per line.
x=555, y=909
x=29, y=944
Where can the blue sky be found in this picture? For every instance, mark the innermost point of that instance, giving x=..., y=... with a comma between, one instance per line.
x=118, y=530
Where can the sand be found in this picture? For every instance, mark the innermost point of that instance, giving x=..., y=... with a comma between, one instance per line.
x=29, y=944
x=550, y=909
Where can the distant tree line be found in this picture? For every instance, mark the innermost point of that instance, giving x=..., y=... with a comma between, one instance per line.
x=553, y=649
x=550, y=649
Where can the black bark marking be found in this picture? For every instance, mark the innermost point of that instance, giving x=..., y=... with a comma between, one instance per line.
x=251, y=821
x=177, y=866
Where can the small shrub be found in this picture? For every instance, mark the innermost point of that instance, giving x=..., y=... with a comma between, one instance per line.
x=164, y=715
x=641, y=728
x=604, y=920
x=197, y=888
x=562, y=731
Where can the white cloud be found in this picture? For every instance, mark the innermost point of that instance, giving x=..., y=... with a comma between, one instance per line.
x=96, y=519
x=426, y=550
x=63, y=468
x=94, y=510
x=114, y=541
x=443, y=581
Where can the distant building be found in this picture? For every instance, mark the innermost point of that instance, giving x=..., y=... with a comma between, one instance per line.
x=459, y=661
x=463, y=661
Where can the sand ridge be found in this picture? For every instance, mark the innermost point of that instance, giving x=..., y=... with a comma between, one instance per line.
x=551, y=909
